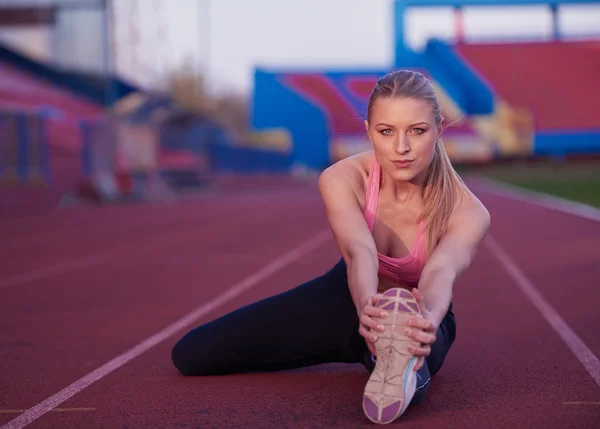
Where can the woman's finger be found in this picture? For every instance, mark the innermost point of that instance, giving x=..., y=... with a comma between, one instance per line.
x=371, y=323
x=368, y=340
x=419, y=298
x=375, y=299
x=375, y=312
x=419, y=351
x=420, y=322
x=419, y=364
x=363, y=332
x=366, y=334
x=371, y=347
x=420, y=336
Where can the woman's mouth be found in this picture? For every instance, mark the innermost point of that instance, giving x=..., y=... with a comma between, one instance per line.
x=403, y=163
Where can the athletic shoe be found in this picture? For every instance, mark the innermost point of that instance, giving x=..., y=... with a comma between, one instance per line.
x=392, y=383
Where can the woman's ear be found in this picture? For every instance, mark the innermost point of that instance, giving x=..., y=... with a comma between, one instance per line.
x=441, y=127
x=367, y=125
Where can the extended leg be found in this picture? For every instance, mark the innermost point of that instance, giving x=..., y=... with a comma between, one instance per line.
x=313, y=323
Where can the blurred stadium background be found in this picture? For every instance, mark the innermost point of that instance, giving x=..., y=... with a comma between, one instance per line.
x=77, y=124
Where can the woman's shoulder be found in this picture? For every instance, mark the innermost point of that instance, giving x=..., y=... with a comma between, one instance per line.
x=469, y=210
x=351, y=172
x=353, y=167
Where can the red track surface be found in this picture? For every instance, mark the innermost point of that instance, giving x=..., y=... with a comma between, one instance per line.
x=81, y=286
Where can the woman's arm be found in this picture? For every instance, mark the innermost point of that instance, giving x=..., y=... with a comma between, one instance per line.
x=467, y=228
x=454, y=254
x=338, y=186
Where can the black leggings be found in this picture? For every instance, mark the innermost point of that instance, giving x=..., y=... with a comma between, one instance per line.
x=311, y=324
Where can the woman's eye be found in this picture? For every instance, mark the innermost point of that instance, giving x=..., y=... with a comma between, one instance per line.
x=386, y=132
x=418, y=130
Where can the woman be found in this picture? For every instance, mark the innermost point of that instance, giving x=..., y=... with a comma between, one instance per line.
x=406, y=227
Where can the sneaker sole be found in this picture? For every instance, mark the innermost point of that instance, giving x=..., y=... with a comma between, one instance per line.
x=392, y=383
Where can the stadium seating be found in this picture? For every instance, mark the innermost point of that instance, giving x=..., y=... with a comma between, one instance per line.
x=557, y=81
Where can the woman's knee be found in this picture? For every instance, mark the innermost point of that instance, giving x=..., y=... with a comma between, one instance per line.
x=180, y=356
x=194, y=354
x=200, y=353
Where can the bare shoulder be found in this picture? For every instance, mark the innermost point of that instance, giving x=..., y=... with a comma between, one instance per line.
x=351, y=173
x=468, y=225
x=342, y=190
x=470, y=214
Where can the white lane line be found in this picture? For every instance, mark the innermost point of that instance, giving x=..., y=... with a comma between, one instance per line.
x=53, y=270
x=543, y=200
x=55, y=410
x=47, y=405
x=588, y=359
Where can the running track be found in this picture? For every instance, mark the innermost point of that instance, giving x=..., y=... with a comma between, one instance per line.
x=80, y=287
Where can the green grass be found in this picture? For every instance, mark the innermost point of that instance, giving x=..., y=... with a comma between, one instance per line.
x=575, y=181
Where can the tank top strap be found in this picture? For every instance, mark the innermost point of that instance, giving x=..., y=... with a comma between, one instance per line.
x=420, y=244
x=372, y=194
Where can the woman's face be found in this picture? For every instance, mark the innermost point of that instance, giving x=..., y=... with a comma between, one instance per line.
x=403, y=133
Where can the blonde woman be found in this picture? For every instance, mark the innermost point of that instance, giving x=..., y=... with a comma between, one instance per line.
x=407, y=227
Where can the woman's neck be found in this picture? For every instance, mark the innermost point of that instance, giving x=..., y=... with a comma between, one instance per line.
x=402, y=191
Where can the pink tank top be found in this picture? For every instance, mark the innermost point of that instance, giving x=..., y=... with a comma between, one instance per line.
x=403, y=271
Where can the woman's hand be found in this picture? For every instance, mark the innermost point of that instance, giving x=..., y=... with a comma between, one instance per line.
x=421, y=330
x=369, y=326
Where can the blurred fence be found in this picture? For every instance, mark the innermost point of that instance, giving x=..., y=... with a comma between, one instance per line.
x=24, y=150
x=111, y=158
x=107, y=155
x=122, y=159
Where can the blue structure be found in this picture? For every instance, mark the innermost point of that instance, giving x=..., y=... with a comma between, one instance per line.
x=93, y=88
x=324, y=109
x=313, y=106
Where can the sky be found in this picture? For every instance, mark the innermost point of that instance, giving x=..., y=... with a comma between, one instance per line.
x=225, y=39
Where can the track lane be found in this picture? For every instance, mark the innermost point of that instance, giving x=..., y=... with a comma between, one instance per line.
x=559, y=253
x=58, y=330
x=161, y=397
x=82, y=234
x=508, y=368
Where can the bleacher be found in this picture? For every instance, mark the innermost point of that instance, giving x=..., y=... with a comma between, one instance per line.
x=558, y=81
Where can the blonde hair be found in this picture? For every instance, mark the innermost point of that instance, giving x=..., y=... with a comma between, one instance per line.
x=443, y=186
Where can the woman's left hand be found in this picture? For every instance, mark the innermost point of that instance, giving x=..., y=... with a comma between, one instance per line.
x=422, y=330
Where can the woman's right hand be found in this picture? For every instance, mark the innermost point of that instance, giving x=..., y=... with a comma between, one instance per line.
x=369, y=325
